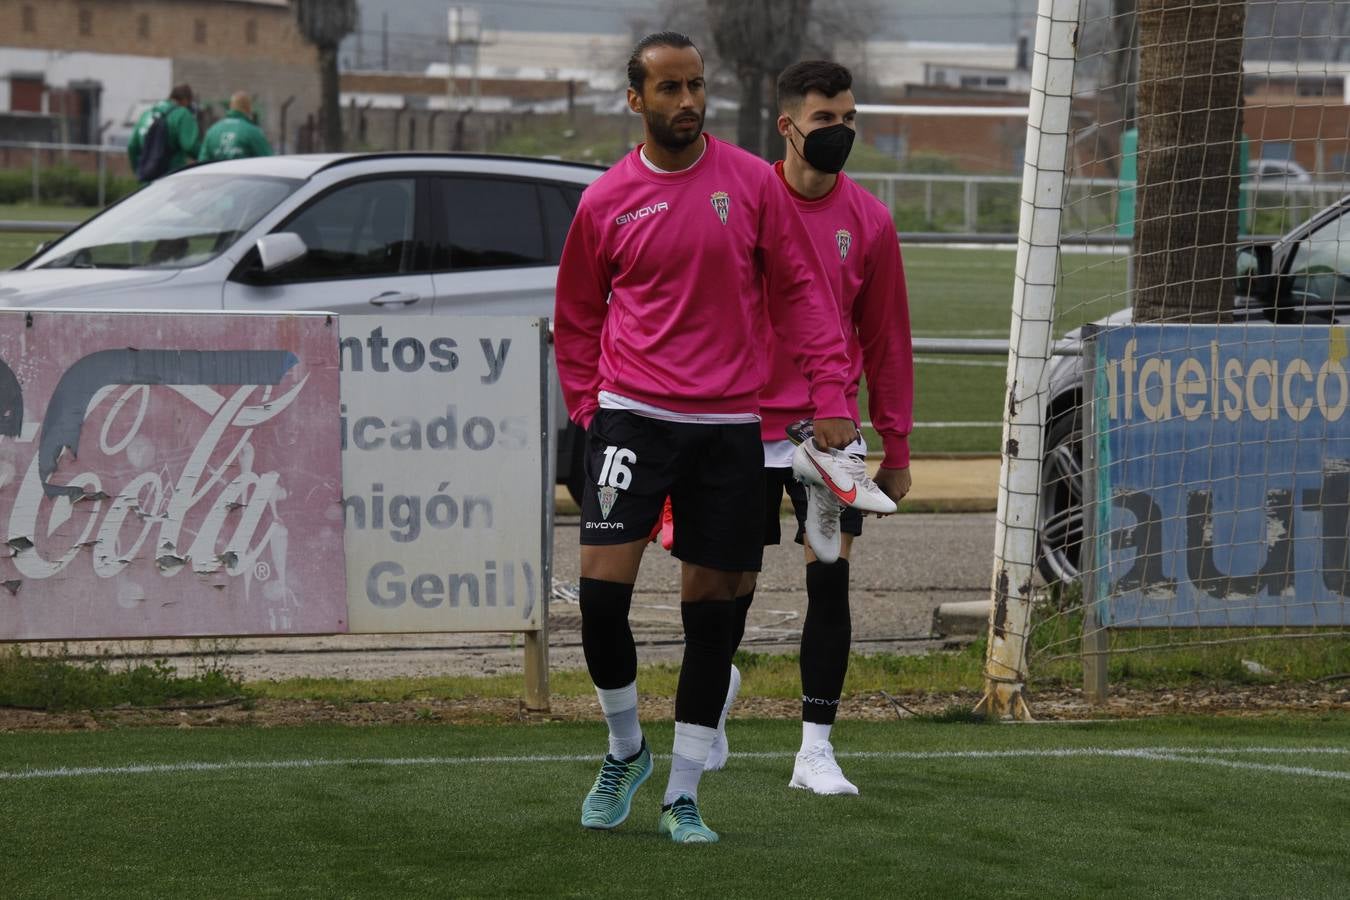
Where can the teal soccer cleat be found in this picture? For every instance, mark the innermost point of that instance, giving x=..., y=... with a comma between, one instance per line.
x=683, y=823
x=610, y=798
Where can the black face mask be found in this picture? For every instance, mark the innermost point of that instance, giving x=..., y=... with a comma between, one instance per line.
x=826, y=149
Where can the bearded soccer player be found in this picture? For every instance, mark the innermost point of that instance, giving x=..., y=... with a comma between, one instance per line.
x=853, y=234
x=659, y=295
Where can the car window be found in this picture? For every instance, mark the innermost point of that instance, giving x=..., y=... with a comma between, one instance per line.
x=489, y=223
x=176, y=222
x=559, y=204
x=1320, y=269
x=356, y=231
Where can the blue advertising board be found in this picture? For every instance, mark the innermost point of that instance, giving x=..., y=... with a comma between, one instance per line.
x=1218, y=476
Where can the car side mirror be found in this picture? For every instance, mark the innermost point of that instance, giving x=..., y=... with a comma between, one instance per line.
x=1256, y=277
x=276, y=250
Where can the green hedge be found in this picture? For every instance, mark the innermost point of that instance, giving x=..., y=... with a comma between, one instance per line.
x=62, y=184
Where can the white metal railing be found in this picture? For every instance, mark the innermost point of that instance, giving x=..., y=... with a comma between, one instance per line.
x=926, y=205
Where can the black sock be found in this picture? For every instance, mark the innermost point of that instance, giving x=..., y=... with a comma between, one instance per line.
x=606, y=639
x=826, y=634
x=742, y=610
x=706, y=671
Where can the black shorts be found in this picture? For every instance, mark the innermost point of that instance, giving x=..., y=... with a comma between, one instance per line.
x=710, y=472
x=776, y=481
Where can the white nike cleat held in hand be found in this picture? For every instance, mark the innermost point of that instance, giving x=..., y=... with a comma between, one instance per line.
x=844, y=475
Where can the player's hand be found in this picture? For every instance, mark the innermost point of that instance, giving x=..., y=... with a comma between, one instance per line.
x=836, y=433
x=895, y=483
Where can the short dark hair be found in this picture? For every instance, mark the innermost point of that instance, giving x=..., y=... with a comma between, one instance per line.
x=637, y=71
x=801, y=78
x=182, y=93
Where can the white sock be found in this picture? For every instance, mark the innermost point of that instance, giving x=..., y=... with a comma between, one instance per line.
x=620, y=708
x=689, y=756
x=813, y=733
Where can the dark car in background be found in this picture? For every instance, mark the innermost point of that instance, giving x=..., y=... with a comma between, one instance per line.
x=1301, y=279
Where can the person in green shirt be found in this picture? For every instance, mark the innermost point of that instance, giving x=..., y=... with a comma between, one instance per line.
x=184, y=137
x=236, y=136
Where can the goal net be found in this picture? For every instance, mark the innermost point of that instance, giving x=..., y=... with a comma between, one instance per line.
x=1175, y=489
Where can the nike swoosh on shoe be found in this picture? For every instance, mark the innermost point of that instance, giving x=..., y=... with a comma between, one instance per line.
x=847, y=496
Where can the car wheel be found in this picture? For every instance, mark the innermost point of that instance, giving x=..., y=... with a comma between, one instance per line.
x=1060, y=513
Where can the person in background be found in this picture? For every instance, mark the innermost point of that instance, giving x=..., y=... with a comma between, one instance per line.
x=153, y=156
x=854, y=237
x=237, y=136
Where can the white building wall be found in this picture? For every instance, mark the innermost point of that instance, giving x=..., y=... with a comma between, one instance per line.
x=896, y=63
x=130, y=83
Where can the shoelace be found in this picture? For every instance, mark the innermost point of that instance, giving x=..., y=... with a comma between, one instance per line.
x=686, y=814
x=822, y=762
x=611, y=774
x=827, y=516
x=826, y=507
x=857, y=468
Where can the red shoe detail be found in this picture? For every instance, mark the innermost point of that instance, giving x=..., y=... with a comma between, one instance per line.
x=667, y=526
x=847, y=496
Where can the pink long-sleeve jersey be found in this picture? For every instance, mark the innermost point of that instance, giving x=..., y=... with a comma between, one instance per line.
x=855, y=239
x=660, y=289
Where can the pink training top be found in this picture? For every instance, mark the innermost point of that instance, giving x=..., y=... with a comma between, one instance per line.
x=681, y=258
x=853, y=234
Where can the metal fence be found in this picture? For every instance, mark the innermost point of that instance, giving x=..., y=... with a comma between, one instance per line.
x=926, y=207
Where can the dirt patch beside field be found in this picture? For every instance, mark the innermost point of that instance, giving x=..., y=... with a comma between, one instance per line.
x=1050, y=705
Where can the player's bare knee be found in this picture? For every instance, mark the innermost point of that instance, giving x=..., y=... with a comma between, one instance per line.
x=612, y=562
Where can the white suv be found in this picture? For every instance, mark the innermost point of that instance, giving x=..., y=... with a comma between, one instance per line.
x=443, y=234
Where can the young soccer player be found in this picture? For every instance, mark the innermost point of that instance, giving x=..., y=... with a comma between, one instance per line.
x=853, y=234
x=660, y=288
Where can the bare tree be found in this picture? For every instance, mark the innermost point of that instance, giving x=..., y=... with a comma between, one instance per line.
x=820, y=29
x=324, y=23
x=1190, y=123
x=757, y=38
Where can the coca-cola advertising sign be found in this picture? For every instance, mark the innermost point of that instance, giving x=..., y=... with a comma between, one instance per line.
x=169, y=475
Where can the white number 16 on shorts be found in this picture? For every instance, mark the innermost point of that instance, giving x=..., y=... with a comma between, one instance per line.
x=615, y=472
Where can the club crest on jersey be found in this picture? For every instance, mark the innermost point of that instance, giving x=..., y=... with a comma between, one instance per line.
x=721, y=201
x=607, y=497
x=845, y=241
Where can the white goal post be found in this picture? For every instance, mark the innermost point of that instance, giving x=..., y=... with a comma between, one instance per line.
x=1036, y=273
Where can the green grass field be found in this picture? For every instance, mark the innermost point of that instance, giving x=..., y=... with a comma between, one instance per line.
x=1161, y=808
x=956, y=293
x=953, y=293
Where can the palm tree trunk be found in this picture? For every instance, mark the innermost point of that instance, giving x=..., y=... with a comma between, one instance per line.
x=1190, y=126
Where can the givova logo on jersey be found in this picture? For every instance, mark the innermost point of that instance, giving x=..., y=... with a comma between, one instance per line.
x=642, y=212
x=844, y=241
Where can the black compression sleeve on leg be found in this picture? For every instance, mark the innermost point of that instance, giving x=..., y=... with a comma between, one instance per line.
x=706, y=671
x=606, y=639
x=826, y=634
x=742, y=611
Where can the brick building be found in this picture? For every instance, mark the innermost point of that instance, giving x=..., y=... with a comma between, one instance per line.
x=1300, y=112
x=80, y=71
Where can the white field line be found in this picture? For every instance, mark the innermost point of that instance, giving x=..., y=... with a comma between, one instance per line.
x=1203, y=755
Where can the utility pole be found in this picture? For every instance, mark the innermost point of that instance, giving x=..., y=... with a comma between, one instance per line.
x=465, y=32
